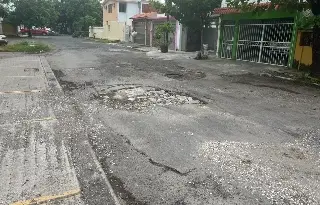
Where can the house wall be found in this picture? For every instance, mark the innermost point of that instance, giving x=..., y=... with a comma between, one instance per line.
x=132, y=9
x=303, y=54
x=116, y=31
x=178, y=36
x=110, y=16
x=183, y=38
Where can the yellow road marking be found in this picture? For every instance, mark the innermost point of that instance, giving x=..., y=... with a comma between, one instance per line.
x=44, y=199
x=20, y=92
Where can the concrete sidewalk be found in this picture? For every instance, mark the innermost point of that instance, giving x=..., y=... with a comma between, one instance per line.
x=35, y=166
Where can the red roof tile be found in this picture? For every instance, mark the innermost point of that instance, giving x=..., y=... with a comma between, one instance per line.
x=229, y=10
x=150, y=16
x=226, y=10
x=144, y=16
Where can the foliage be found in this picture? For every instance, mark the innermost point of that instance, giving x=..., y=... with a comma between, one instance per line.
x=287, y=5
x=78, y=15
x=39, y=13
x=194, y=14
x=61, y=15
x=4, y=7
x=27, y=47
x=161, y=31
x=307, y=22
x=83, y=23
x=77, y=34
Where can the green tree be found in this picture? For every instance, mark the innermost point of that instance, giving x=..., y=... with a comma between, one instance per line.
x=79, y=14
x=291, y=6
x=39, y=13
x=4, y=8
x=194, y=14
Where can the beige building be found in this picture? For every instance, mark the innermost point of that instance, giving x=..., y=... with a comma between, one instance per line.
x=116, y=19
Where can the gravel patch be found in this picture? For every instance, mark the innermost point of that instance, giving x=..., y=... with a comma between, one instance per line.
x=137, y=98
x=283, y=174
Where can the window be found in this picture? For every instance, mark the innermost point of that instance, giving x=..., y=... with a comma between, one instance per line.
x=110, y=8
x=123, y=7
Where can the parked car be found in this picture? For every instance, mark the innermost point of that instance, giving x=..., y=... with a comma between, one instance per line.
x=3, y=40
x=36, y=31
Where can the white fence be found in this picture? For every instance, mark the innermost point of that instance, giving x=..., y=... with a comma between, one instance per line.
x=96, y=32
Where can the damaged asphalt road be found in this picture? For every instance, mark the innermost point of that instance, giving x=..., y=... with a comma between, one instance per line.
x=141, y=130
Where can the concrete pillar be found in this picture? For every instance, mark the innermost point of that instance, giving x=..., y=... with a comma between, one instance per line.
x=1, y=30
x=218, y=38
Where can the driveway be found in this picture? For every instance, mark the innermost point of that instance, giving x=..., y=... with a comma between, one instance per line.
x=142, y=129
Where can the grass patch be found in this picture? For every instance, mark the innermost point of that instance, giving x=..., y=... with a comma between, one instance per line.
x=26, y=47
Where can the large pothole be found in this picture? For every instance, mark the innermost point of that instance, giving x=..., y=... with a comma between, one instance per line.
x=136, y=97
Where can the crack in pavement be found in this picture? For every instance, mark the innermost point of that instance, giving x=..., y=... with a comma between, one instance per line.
x=158, y=164
x=168, y=168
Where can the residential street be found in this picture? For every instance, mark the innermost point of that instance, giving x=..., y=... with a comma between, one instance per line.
x=93, y=123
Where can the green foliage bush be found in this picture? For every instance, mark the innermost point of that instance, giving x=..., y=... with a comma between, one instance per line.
x=77, y=34
x=160, y=34
x=27, y=47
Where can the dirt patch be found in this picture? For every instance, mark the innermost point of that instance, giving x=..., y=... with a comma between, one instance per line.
x=136, y=97
x=69, y=85
x=58, y=73
x=186, y=75
x=262, y=81
x=31, y=70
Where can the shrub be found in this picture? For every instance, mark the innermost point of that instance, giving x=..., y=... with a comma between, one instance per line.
x=27, y=47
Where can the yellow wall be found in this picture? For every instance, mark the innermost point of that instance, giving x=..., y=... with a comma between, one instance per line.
x=110, y=16
x=116, y=31
x=303, y=54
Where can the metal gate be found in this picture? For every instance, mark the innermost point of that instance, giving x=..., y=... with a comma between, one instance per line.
x=140, y=28
x=265, y=41
x=227, y=39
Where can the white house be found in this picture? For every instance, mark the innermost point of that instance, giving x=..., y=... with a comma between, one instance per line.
x=116, y=19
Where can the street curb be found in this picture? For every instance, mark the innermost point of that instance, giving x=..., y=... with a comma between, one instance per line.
x=103, y=174
x=51, y=78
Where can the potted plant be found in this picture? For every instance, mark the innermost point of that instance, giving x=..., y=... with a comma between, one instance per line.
x=161, y=39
